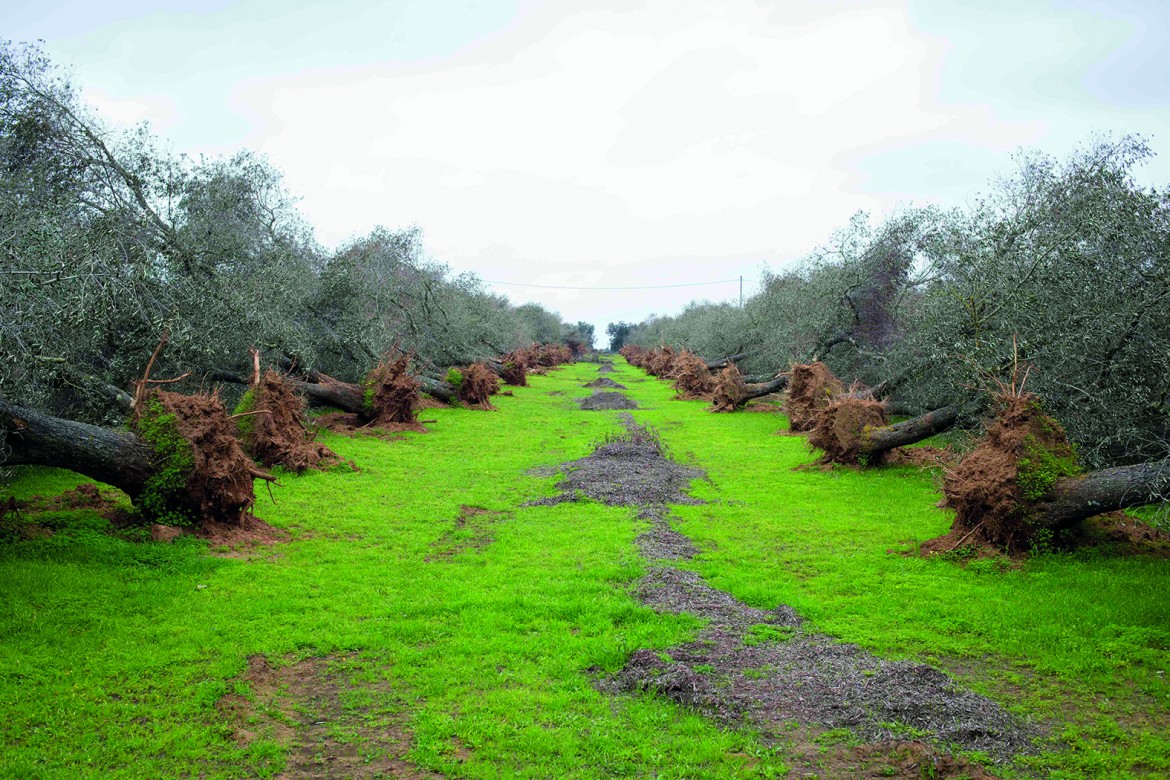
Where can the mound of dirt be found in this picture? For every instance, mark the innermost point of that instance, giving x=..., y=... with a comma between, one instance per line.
x=925, y=456
x=1021, y=455
x=630, y=470
x=812, y=387
x=274, y=432
x=392, y=393
x=217, y=487
x=605, y=382
x=606, y=368
x=840, y=428
x=728, y=390
x=602, y=400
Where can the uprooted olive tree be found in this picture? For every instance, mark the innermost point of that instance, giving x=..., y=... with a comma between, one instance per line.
x=1023, y=482
x=179, y=459
x=271, y=424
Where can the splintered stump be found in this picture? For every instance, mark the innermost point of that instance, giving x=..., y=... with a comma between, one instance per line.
x=271, y=422
x=1022, y=483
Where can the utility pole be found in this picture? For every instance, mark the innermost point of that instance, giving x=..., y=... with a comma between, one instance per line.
x=741, y=291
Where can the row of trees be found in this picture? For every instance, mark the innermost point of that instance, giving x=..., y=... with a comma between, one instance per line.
x=1064, y=265
x=108, y=240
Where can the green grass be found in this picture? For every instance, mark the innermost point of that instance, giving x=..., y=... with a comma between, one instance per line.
x=115, y=651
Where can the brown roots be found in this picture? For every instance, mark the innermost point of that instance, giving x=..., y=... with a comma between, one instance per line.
x=661, y=362
x=274, y=430
x=841, y=428
x=478, y=385
x=692, y=380
x=1023, y=453
x=729, y=390
x=812, y=387
x=635, y=355
x=515, y=371
x=203, y=472
x=391, y=393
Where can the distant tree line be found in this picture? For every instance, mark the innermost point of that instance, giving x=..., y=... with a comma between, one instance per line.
x=1064, y=265
x=108, y=240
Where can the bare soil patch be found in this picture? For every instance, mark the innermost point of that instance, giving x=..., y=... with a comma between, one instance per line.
x=348, y=424
x=242, y=540
x=605, y=382
x=628, y=470
x=473, y=530
x=331, y=726
x=603, y=400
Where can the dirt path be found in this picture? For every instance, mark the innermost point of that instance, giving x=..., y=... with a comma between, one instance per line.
x=760, y=666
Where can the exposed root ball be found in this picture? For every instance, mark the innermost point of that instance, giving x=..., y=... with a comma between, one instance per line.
x=1022, y=455
x=550, y=355
x=515, y=368
x=841, y=428
x=635, y=355
x=274, y=430
x=204, y=475
x=661, y=363
x=478, y=385
x=692, y=380
x=729, y=390
x=812, y=387
x=392, y=394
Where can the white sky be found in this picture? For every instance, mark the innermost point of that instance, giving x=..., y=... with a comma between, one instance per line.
x=618, y=143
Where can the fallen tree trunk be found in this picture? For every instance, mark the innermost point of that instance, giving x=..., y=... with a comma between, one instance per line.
x=722, y=363
x=731, y=392
x=1074, y=498
x=117, y=458
x=180, y=463
x=878, y=441
x=1022, y=484
x=761, y=389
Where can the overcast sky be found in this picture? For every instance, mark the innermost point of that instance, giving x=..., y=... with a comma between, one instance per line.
x=613, y=144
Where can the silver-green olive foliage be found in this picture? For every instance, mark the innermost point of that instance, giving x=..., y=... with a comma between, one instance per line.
x=108, y=240
x=1062, y=271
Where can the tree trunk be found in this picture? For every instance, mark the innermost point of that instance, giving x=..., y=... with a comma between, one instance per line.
x=722, y=363
x=116, y=458
x=881, y=440
x=761, y=389
x=1074, y=498
x=438, y=389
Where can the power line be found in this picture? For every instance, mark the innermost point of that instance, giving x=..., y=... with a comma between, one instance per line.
x=645, y=287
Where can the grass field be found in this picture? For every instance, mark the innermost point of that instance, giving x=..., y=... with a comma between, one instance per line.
x=445, y=628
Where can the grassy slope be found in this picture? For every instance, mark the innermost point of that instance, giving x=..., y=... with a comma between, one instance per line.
x=114, y=653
